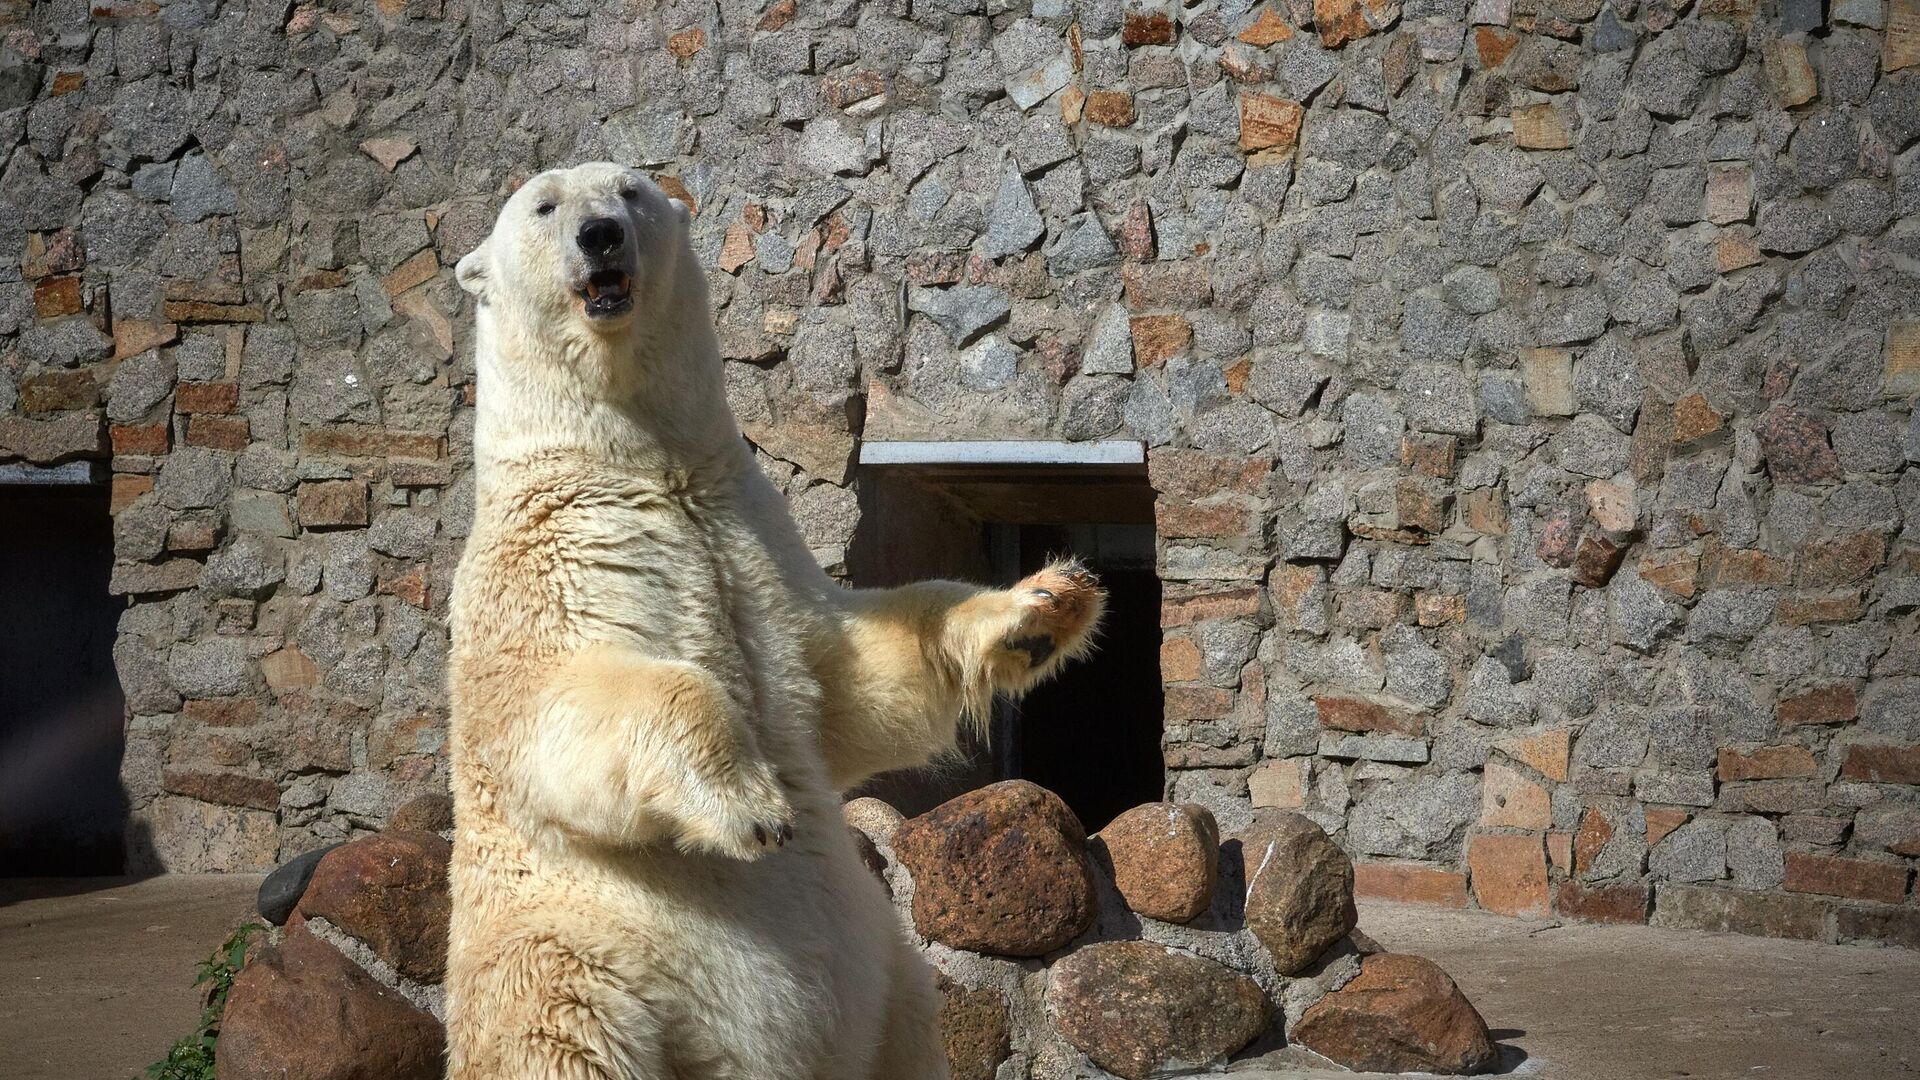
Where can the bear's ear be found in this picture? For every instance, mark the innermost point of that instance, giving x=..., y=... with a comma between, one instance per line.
x=472, y=271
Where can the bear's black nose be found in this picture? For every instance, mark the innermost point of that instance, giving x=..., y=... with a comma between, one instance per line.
x=601, y=236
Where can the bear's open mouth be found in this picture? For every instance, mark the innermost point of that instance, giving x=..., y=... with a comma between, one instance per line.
x=606, y=294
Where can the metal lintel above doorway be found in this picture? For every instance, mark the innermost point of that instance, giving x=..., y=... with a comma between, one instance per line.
x=1029, y=482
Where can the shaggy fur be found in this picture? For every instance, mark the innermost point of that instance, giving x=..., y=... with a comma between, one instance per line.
x=658, y=696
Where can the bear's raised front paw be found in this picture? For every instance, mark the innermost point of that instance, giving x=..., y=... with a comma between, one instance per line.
x=753, y=816
x=1055, y=612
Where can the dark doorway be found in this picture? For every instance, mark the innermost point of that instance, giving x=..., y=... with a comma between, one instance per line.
x=1092, y=735
x=62, y=809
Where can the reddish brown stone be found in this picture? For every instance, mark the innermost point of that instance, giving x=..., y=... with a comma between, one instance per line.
x=1595, y=561
x=1146, y=28
x=1228, y=520
x=1184, y=703
x=193, y=534
x=409, y=584
x=58, y=391
x=1001, y=870
x=1299, y=890
x=687, y=43
x=1795, y=447
x=1280, y=783
x=225, y=788
x=1138, y=1009
x=206, y=397
x=1494, y=45
x=852, y=88
x=125, y=490
x=151, y=439
x=1268, y=122
x=1508, y=873
x=1766, y=763
x=1420, y=507
x=1509, y=798
x=302, y=1011
x=1225, y=604
x=417, y=270
x=56, y=252
x=1415, y=883
x=1438, y=609
x=1268, y=29
x=388, y=890
x=1431, y=455
x=1745, y=567
x=219, y=432
x=1843, y=560
x=1857, y=879
x=1195, y=474
x=1175, y=284
x=1828, y=608
x=1661, y=823
x=1695, y=421
x=289, y=669
x=55, y=297
x=1882, y=764
x=224, y=712
x=1486, y=511
x=1110, y=108
x=1158, y=337
x=428, y=812
x=1546, y=751
x=1622, y=904
x=1360, y=714
x=332, y=503
x=1401, y=1014
x=1341, y=21
x=1165, y=859
x=976, y=1029
x=1592, y=836
x=134, y=336
x=1135, y=236
x=1559, y=540
x=1541, y=127
x=1180, y=660
x=778, y=15
x=200, y=311
x=1672, y=572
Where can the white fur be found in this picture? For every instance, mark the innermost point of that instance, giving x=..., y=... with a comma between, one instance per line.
x=652, y=681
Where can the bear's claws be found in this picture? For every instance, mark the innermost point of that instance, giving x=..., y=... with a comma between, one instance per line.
x=780, y=832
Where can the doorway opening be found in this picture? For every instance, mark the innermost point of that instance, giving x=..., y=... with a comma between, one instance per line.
x=62, y=728
x=993, y=513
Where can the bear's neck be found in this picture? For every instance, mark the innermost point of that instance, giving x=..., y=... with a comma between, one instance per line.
x=647, y=401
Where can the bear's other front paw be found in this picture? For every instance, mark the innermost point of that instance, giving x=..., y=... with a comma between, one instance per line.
x=751, y=816
x=1055, y=612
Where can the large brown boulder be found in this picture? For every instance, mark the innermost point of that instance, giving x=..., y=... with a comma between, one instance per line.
x=1402, y=1014
x=999, y=870
x=1139, y=1009
x=976, y=1029
x=1165, y=859
x=390, y=891
x=1299, y=890
x=303, y=1011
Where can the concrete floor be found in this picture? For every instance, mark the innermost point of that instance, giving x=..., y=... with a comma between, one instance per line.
x=95, y=982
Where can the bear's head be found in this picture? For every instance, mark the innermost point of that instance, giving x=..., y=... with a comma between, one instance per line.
x=592, y=243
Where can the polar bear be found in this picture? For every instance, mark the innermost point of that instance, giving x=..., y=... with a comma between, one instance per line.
x=657, y=695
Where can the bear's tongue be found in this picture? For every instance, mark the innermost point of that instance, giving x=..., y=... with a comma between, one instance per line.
x=610, y=282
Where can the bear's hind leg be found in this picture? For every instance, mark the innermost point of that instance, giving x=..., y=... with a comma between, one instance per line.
x=910, y=1046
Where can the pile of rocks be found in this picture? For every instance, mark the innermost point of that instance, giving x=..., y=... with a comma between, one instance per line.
x=1152, y=947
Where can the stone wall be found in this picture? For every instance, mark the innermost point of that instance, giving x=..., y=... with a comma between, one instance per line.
x=1529, y=391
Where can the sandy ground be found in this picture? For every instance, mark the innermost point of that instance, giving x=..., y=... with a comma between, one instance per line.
x=96, y=975
x=95, y=983
x=1580, y=1002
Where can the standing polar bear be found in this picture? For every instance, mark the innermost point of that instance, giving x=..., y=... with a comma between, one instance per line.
x=658, y=695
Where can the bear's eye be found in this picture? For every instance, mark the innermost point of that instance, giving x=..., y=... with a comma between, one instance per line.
x=629, y=194
x=545, y=209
